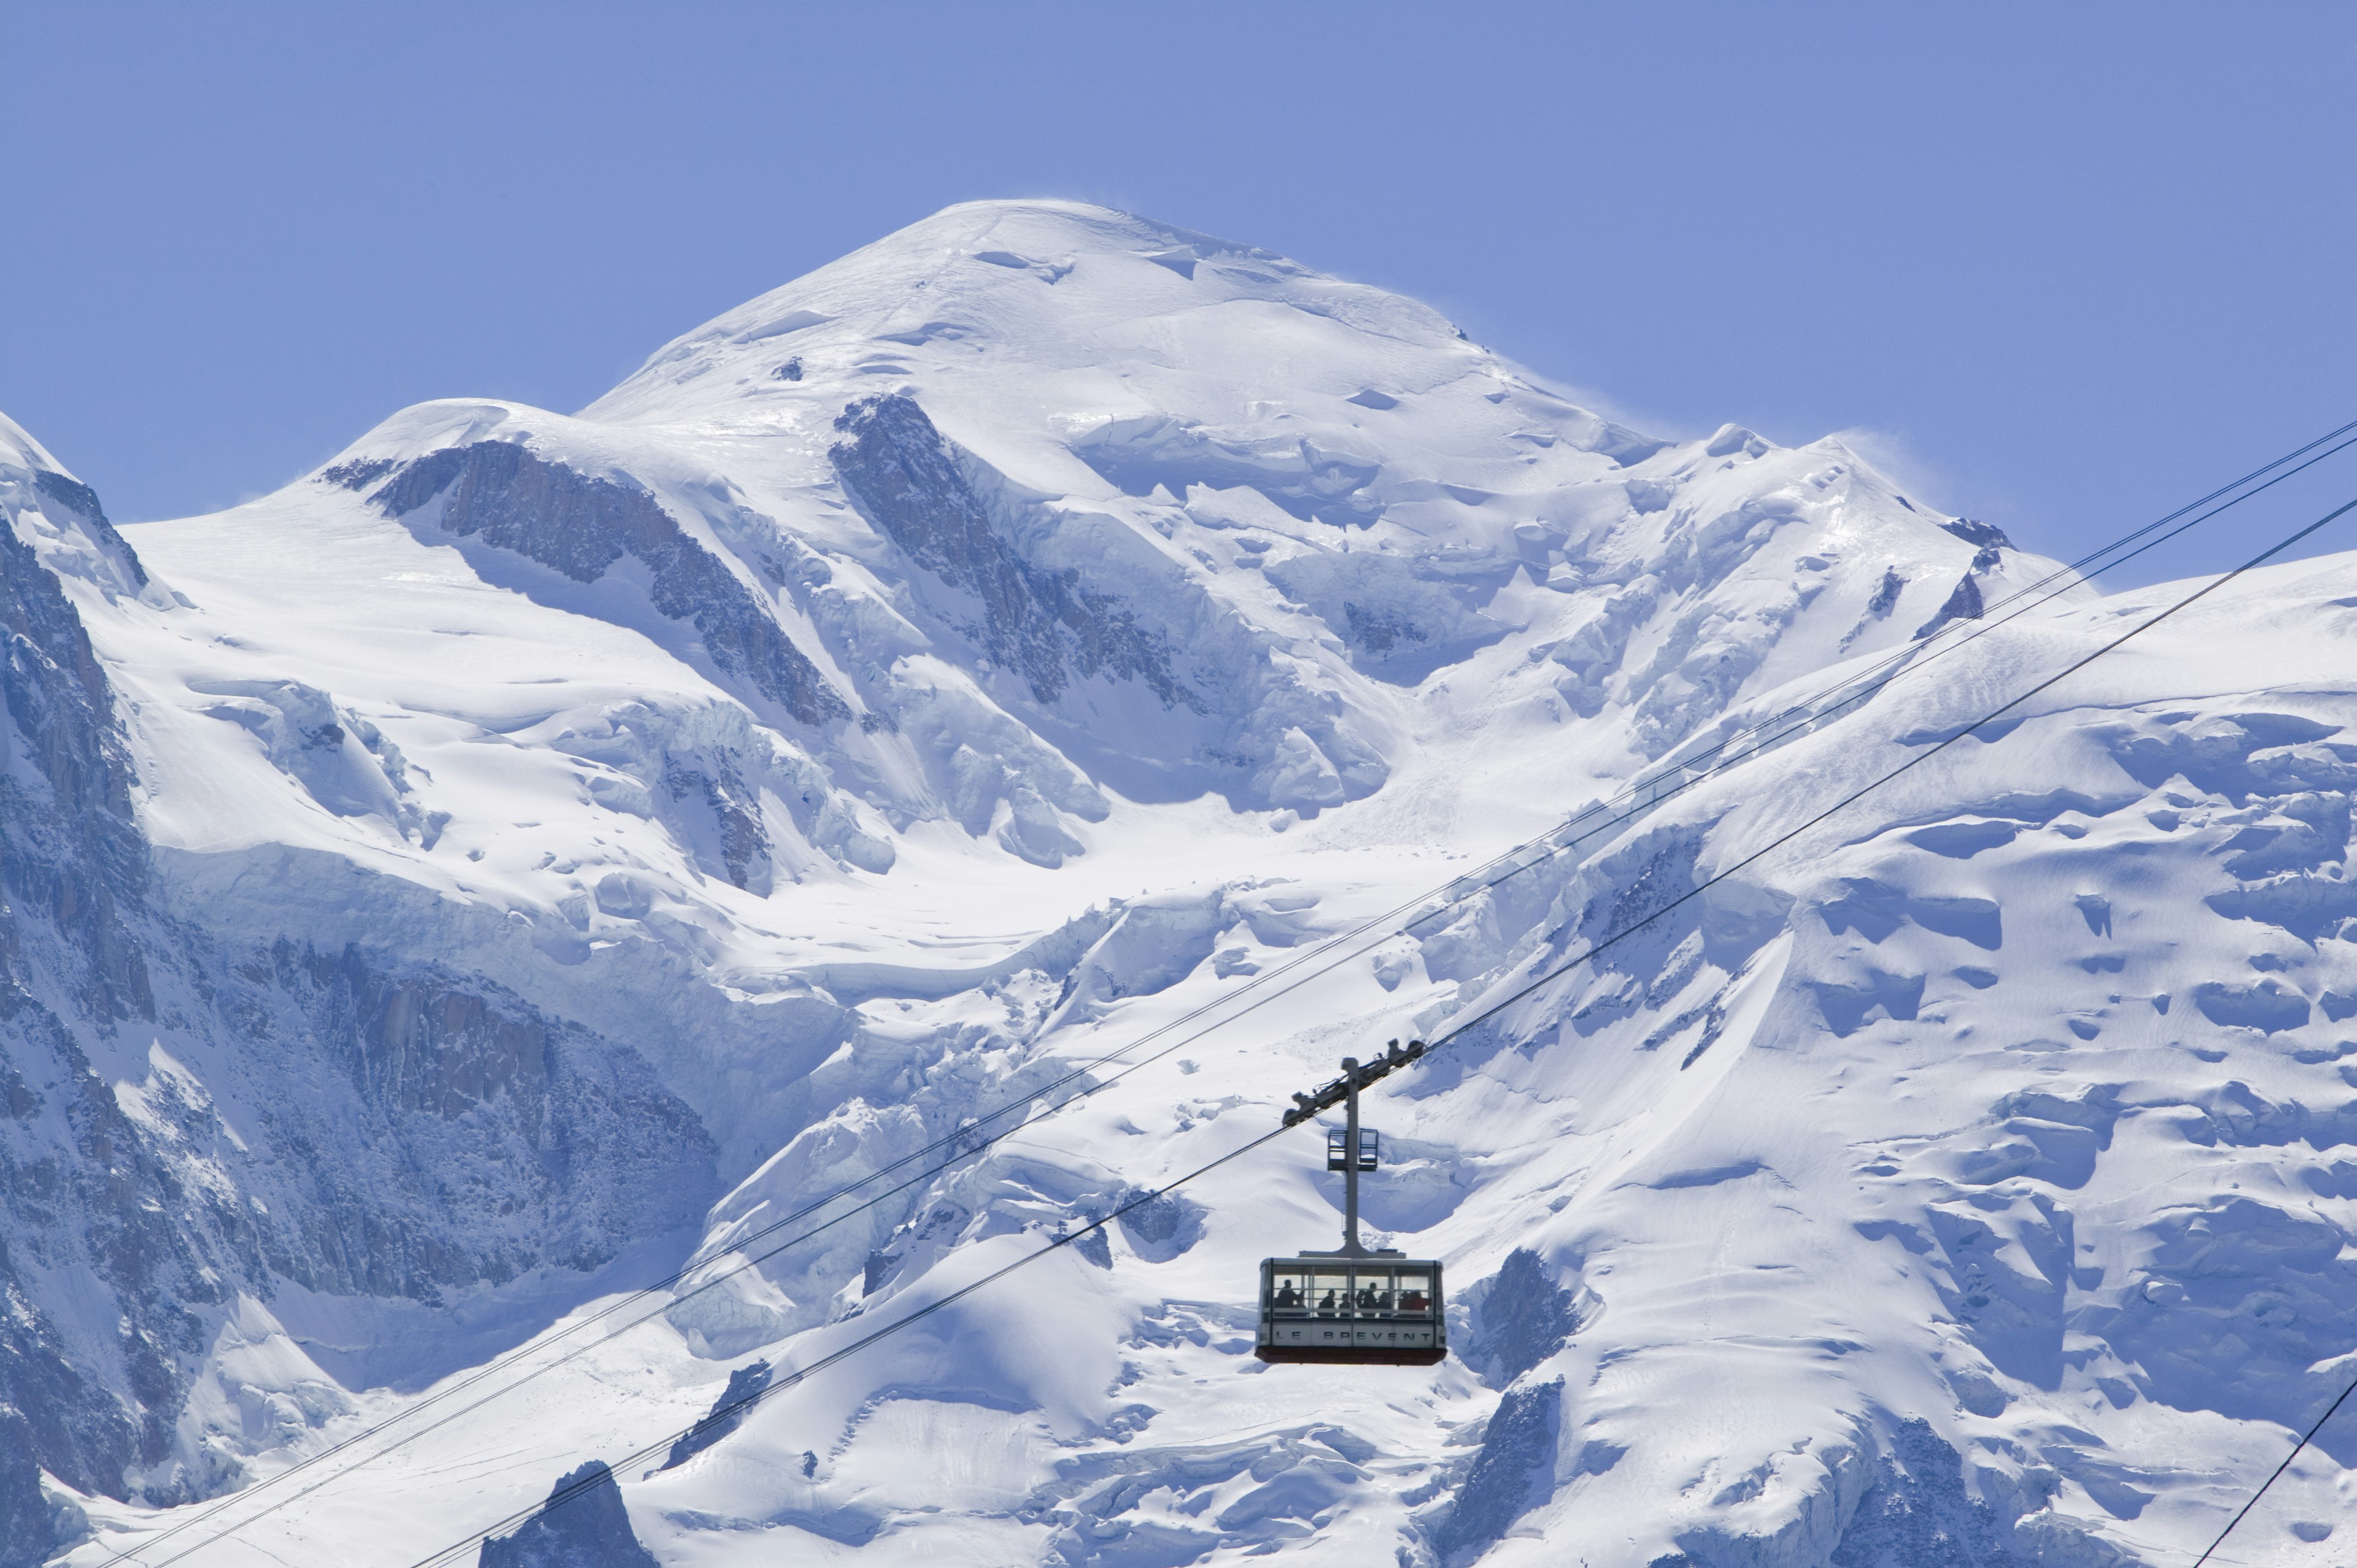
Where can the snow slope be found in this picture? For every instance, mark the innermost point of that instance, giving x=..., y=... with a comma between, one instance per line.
x=570, y=844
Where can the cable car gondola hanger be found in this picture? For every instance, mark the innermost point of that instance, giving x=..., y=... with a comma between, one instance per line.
x=1356, y=1306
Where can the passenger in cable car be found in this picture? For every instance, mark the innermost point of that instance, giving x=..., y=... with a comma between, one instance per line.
x=1286, y=1295
x=1326, y=1305
x=1413, y=1301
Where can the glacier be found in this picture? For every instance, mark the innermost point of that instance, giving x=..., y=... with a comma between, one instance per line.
x=463, y=908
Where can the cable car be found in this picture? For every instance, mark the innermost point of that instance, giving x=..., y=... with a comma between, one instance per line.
x=1358, y=1305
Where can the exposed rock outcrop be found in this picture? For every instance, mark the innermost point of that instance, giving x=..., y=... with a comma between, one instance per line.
x=582, y=1525
x=745, y=1384
x=1050, y=627
x=582, y=527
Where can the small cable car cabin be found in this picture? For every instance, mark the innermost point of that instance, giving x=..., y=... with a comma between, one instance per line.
x=1379, y=1310
x=1354, y=1305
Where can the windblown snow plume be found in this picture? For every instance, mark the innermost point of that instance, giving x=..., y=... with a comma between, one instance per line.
x=537, y=858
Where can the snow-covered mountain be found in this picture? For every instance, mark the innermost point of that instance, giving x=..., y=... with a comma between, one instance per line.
x=534, y=853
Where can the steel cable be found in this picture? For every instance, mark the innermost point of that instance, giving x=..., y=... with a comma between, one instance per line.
x=2310, y=1436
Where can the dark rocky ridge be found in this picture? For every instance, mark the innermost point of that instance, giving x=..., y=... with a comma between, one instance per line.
x=82, y=501
x=78, y=1186
x=582, y=1525
x=746, y=1385
x=581, y=526
x=1525, y=1316
x=1042, y=624
x=1963, y=604
x=732, y=812
x=1972, y=531
x=1515, y=1470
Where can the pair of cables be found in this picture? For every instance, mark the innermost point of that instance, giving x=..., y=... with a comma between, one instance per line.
x=734, y=1410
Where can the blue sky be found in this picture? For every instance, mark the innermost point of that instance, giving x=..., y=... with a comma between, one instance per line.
x=2068, y=265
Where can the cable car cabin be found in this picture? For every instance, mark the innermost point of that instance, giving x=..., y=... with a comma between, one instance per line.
x=1367, y=1306
x=1370, y=1311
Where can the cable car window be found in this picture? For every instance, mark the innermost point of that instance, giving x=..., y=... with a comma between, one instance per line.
x=1415, y=1292
x=1289, y=1290
x=1331, y=1292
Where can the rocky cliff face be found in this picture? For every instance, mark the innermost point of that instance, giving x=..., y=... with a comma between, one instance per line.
x=1044, y=626
x=85, y=1192
x=583, y=1526
x=183, y=1127
x=582, y=527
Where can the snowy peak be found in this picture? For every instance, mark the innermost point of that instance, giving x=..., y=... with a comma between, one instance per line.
x=1159, y=524
x=1179, y=516
x=59, y=519
x=975, y=279
x=1232, y=345
x=19, y=450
